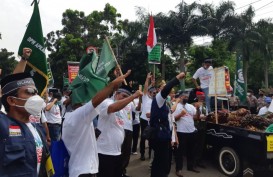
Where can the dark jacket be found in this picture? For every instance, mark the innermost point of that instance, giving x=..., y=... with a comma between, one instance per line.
x=18, y=151
x=160, y=120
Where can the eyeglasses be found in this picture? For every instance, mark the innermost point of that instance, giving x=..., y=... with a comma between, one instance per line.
x=31, y=91
x=154, y=93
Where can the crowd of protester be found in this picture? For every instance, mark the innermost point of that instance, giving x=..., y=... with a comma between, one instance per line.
x=102, y=134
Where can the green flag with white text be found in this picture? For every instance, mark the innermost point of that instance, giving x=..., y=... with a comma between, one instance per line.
x=87, y=83
x=33, y=38
x=106, y=60
x=240, y=89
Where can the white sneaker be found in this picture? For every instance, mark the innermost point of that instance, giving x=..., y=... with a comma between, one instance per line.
x=134, y=153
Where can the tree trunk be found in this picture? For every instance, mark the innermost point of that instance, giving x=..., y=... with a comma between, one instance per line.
x=266, y=73
x=182, y=67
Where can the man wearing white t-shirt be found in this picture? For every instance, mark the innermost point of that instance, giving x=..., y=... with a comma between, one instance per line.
x=204, y=75
x=79, y=136
x=149, y=93
x=264, y=109
x=111, y=123
x=186, y=132
x=128, y=129
x=54, y=118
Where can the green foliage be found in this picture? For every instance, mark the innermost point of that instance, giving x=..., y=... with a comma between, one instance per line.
x=7, y=62
x=79, y=31
x=231, y=33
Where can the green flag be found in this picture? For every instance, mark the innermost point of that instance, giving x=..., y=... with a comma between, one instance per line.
x=34, y=39
x=87, y=83
x=95, y=61
x=106, y=60
x=240, y=89
x=155, y=55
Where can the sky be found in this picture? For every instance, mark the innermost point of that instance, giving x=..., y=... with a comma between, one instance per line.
x=15, y=14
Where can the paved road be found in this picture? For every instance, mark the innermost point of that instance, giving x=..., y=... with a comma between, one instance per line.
x=138, y=168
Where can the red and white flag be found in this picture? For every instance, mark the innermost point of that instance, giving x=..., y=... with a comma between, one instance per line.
x=151, y=38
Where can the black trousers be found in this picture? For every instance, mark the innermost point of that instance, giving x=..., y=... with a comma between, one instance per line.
x=109, y=166
x=161, y=163
x=200, y=145
x=143, y=125
x=126, y=150
x=88, y=175
x=136, y=129
x=186, y=146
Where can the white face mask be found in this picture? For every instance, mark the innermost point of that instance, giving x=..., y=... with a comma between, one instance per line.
x=33, y=105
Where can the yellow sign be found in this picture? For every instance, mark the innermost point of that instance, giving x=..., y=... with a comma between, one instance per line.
x=269, y=143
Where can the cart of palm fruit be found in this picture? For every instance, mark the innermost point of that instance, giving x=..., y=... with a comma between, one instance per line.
x=240, y=143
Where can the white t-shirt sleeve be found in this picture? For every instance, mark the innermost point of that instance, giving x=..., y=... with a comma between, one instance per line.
x=86, y=113
x=159, y=100
x=103, y=107
x=43, y=117
x=196, y=74
x=262, y=111
x=193, y=110
x=177, y=110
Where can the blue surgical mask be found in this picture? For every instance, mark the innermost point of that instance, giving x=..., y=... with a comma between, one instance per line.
x=168, y=98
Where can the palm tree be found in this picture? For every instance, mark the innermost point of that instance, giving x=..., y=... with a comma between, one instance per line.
x=265, y=45
x=217, y=19
x=241, y=35
x=183, y=25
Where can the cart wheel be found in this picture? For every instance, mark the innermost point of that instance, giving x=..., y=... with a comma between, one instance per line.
x=229, y=162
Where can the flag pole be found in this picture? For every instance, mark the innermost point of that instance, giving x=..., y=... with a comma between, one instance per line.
x=154, y=72
x=107, y=41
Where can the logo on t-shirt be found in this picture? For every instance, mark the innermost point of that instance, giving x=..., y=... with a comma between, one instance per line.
x=119, y=119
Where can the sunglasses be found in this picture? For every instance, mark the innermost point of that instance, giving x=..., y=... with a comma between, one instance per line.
x=31, y=91
x=123, y=95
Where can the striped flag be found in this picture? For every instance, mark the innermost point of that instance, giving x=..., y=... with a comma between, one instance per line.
x=151, y=38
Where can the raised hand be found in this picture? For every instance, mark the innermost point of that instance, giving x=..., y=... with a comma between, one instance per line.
x=137, y=94
x=180, y=76
x=116, y=83
x=26, y=53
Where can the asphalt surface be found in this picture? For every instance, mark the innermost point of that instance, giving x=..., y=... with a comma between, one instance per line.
x=138, y=168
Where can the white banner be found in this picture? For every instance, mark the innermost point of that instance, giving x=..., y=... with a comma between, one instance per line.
x=217, y=85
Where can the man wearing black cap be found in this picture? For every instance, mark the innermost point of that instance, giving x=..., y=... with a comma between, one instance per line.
x=22, y=144
x=111, y=124
x=204, y=75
